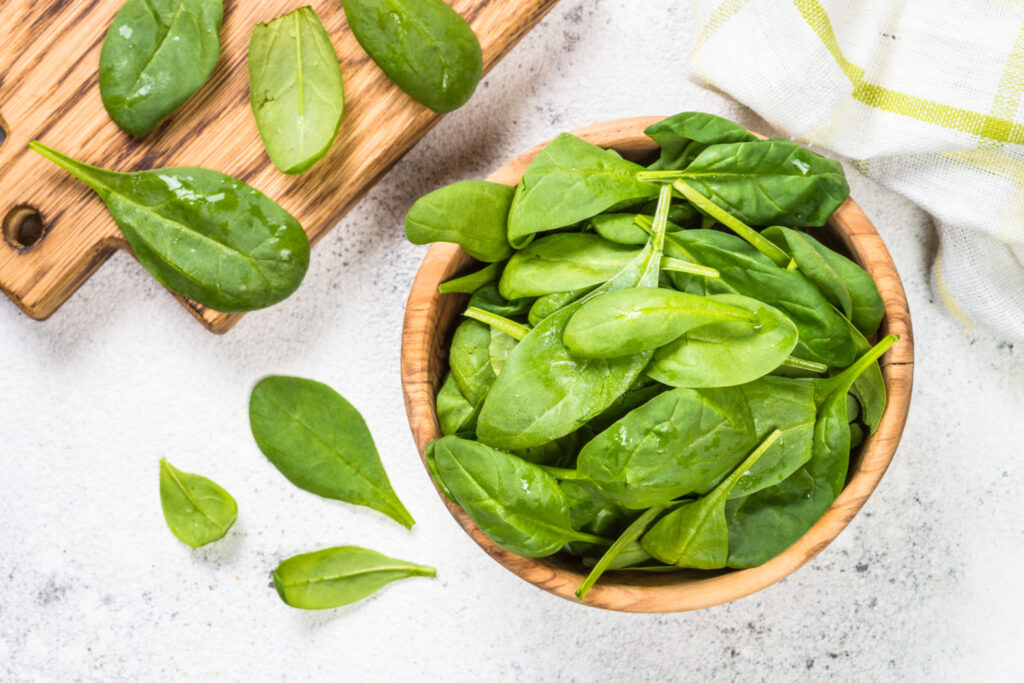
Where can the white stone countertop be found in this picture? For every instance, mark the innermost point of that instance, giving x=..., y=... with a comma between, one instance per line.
x=923, y=585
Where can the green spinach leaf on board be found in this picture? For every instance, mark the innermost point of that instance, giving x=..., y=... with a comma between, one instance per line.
x=197, y=510
x=516, y=503
x=424, y=47
x=569, y=181
x=157, y=54
x=295, y=89
x=338, y=576
x=679, y=442
x=200, y=233
x=727, y=352
x=320, y=443
x=684, y=136
x=470, y=213
x=696, y=534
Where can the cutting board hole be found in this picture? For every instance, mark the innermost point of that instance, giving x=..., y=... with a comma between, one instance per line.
x=23, y=227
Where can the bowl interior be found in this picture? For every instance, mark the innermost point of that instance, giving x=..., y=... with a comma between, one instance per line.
x=431, y=320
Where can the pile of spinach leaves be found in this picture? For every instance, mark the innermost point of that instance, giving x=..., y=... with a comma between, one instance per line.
x=659, y=367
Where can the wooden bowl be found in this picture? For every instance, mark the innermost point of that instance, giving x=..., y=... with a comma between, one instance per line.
x=430, y=319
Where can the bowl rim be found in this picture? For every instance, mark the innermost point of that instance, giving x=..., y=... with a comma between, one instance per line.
x=686, y=589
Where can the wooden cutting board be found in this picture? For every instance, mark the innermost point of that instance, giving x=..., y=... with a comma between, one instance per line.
x=56, y=232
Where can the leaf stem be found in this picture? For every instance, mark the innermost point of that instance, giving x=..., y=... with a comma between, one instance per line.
x=632, y=532
x=564, y=473
x=509, y=327
x=845, y=379
x=753, y=237
x=679, y=266
x=802, y=364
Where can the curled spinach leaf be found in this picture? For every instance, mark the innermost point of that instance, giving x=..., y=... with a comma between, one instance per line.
x=470, y=213
x=156, y=54
x=338, y=576
x=320, y=443
x=295, y=89
x=200, y=233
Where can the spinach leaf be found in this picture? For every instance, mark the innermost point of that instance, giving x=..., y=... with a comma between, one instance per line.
x=470, y=213
x=488, y=298
x=424, y=47
x=156, y=54
x=684, y=136
x=728, y=352
x=200, y=233
x=845, y=283
x=545, y=305
x=455, y=414
x=338, y=576
x=569, y=181
x=769, y=182
x=679, y=442
x=563, y=262
x=869, y=387
x=765, y=523
x=320, y=443
x=516, y=503
x=295, y=89
x=470, y=360
x=824, y=335
x=696, y=534
x=621, y=228
x=197, y=510
x=471, y=282
x=629, y=321
x=543, y=392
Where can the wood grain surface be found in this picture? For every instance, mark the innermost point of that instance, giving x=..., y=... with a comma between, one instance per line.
x=431, y=318
x=49, y=91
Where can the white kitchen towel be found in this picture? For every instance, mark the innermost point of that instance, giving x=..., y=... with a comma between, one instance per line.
x=924, y=96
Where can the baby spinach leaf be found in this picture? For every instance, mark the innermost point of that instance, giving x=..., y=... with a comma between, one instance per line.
x=424, y=47
x=320, y=443
x=679, y=442
x=563, y=262
x=338, y=576
x=869, y=387
x=569, y=181
x=156, y=54
x=727, y=352
x=833, y=272
x=641, y=318
x=516, y=503
x=455, y=414
x=470, y=360
x=470, y=213
x=621, y=228
x=769, y=182
x=488, y=298
x=295, y=89
x=543, y=392
x=197, y=510
x=823, y=333
x=471, y=282
x=696, y=534
x=684, y=136
x=549, y=303
x=200, y=233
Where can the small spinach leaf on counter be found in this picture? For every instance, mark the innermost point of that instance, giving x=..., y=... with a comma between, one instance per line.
x=338, y=576
x=424, y=47
x=295, y=89
x=320, y=443
x=200, y=233
x=197, y=510
x=156, y=54
x=470, y=213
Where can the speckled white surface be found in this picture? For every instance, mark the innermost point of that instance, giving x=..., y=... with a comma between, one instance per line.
x=923, y=585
